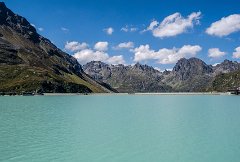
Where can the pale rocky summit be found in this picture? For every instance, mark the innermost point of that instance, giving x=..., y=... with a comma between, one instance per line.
x=226, y=66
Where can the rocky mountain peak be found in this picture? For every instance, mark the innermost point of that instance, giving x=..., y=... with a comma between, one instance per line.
x=226, y=66
x=185, y=68
x=141, y=67
x=138, y=66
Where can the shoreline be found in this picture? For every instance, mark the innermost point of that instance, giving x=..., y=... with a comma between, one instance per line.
x=133, y=94
x=138, y=94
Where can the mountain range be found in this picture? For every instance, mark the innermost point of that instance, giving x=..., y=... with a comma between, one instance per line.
x=29, y=62
x=188, y=75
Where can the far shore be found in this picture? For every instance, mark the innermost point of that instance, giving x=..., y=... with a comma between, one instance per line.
x=139, y=94
x=130, y=94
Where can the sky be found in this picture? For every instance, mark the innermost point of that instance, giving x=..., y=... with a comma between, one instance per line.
x=153, y=32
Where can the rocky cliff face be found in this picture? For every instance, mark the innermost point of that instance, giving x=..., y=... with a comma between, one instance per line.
x=30, y=62
x=98, y=70
x=137, y=78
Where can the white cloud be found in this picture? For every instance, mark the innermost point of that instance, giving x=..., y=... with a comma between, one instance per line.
x=125, y=45
x=215, y=53
x=152, y=25
x=101, y=46
x=84, y=55
x=174, y=25
x=125, y=29
x=87, y=55
x=109, y=30
x=115, y=60
x=165, y=56
x=225, y=26
x=236, y=54
x=64, y=29
x=40, y=29
x=133, y=29
x=129, y=29
x=75, y=46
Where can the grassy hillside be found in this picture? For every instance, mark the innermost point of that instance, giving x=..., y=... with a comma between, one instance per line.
x=223, y=82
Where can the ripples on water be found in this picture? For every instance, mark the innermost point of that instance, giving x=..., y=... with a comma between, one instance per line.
x=120, y=128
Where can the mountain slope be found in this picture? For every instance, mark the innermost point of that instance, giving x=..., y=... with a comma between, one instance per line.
x=225, y=81
x=30, y=62
x=137, y=78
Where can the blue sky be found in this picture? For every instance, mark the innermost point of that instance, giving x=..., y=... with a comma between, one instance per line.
x=83, y=23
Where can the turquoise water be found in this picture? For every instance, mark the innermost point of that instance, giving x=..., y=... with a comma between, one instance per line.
x=120, y=129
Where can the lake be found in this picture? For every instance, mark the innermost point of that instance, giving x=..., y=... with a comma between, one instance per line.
x=120, y=128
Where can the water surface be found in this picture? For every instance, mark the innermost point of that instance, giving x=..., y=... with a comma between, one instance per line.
x=120, y=128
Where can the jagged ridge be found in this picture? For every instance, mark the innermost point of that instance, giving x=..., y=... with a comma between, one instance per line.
x=188, y=75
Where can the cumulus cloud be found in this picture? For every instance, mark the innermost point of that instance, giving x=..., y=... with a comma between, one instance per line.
x=215, y=53
x=225, y=26
x=173, y=25
x=129, y=29
x=101, y=46
x=87, y=55
x=152, y=25
x=165, y=56
x=125, y=45
x=115, y=60
x=236, y=54
x=75, y=46
x=109, y=30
